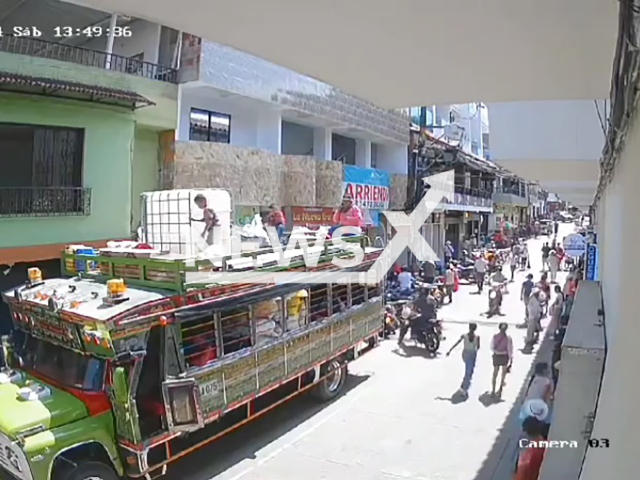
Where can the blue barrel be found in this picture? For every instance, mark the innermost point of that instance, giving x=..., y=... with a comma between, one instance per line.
x=83, y=265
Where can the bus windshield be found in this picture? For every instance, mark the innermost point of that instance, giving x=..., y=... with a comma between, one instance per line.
x=61, y=365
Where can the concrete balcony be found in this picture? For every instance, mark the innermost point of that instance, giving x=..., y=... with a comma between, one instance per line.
x=210, y=70
x=49, y=61
x=510, y=197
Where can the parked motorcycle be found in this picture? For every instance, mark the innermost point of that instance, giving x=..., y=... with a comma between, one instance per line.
x=495, y=301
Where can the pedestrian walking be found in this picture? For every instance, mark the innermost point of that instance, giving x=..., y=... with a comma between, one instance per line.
x=450, y=281
x=513, y=264
x=480, y=266
x=502, y=348
x=471, y=345
x=556, y=310
x=540, y=385
x=545, y=287
x=448, y=252
x=532, y=449
x=525, y=293
x=554, y=265
x=545, y=256
x=534, y=312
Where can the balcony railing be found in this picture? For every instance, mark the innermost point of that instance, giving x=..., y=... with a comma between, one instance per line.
x=474, y=192
x=45, y=202
x=512, y=190
x=83, y=56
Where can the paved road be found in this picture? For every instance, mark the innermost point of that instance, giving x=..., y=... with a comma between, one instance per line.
x=397, y=419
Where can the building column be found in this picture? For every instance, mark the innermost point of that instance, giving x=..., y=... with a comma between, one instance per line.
x=363, y=153
x=113, y=22
x=322, y=141
x=269, y=131
x=617, y=417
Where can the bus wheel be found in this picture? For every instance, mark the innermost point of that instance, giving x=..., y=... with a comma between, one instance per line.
x=92, y=471
x=331, y=385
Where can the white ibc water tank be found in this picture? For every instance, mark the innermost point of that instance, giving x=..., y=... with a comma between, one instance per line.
x=172, y=221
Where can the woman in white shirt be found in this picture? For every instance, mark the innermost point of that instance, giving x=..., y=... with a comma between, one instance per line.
x=471, y=345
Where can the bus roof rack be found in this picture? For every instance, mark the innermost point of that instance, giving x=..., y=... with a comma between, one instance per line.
x=168, y=271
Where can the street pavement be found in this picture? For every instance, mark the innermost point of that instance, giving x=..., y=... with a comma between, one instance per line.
x=398, y=418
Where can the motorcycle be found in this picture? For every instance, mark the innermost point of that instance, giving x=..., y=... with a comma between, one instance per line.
x=495, y=301
x=427, y=334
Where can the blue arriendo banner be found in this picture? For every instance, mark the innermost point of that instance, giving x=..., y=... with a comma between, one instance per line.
x=592, y=262
x=369, y=189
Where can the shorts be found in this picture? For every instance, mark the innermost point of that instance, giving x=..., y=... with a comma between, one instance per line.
x=500, y=359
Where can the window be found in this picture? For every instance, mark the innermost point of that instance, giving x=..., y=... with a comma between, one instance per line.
x=318, y=303
x=358, y=293
x=199, y=340
x=41, y=170
x=376, y=290
x=62, y=365
x=339, y=298
x=236, y=329
x=296, y=310
x=267, y=316
x=38, y=156
x=206, y=126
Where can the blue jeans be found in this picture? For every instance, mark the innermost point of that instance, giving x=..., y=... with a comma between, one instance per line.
x=280, y=232
x=469, y=359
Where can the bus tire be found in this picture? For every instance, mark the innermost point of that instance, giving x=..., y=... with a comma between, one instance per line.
x=331, y=385
x=91, y=471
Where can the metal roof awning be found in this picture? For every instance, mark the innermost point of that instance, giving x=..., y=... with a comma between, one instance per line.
x=12, y=82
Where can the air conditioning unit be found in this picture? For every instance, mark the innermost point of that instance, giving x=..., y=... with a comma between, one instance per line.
x=454, y=132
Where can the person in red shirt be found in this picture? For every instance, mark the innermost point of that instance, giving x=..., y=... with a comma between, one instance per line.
x=349, y=214
x=532, y=450
x=277, y=220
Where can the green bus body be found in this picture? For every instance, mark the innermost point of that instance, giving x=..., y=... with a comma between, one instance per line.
x=155, y=403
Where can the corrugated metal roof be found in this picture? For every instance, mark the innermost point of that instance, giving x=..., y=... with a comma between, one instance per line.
x=95, y=92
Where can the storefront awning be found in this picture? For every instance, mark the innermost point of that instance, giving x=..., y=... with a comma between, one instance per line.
x=50, y=87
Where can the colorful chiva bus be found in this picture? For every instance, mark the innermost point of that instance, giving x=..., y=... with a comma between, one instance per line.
x=123, y=366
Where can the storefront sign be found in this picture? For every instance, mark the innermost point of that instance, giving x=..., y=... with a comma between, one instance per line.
x=312, y=216
x=575, y=245
x=592, y=263
x=369, y=189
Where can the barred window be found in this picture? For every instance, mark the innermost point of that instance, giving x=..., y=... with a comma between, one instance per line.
x=199, y=341
x=235, y=324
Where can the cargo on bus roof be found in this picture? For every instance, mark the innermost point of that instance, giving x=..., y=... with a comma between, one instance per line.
x=84, y=297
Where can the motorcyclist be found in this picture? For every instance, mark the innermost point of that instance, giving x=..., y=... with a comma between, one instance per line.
x=424, y=308
x=428, y=271
x=405, y=282
x=495, y=301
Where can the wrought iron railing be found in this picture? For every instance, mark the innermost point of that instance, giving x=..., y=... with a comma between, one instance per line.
x=45, y=202
x=473, y=191
x=512, y=190
x=34, y=47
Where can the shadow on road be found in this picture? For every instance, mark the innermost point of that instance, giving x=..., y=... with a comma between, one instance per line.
x=243, y=443
x=409, y=351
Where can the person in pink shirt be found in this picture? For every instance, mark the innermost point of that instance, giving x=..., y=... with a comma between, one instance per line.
x=349, y=214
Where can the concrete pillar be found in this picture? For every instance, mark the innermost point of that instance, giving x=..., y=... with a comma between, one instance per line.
x=363, y=153
x=618, y=417
x=269, y=131
x=393, y=158
x=110, y=39
x=322, y=141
